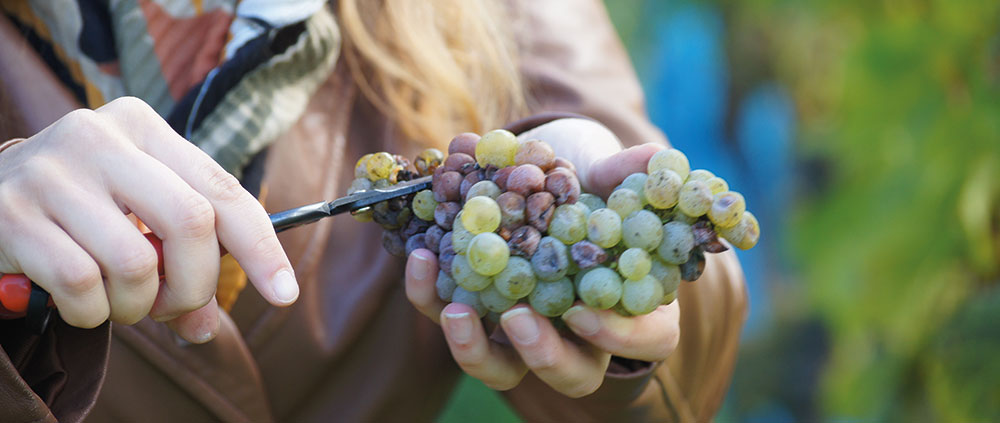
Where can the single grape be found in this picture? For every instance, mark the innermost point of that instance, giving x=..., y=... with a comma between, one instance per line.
x=364, y=215
x=743, y=235
x=448, y=187
x=428, y=161
x=446, y=253
x=604, y=227
x=625, y=202
x=511, y=210
x=537, y=153
x=700, y=175
x=379, y=166
x=669, y=297
x=642, y=296
x=635, y=182
x=642, y=229
x=551, y=260
x=424, y=205
x=473, y=177
x=552, y=298
x=693, y=268
x=416, y=226
x=727, y=209
x=481, y=214
x=591, y=201
x=494, y=301
x=500, y=177
x=564, y=185
x=526, y=180
x=415, y=242
x=695, y=198
x=458, y=162
x=569, y=224
x=445, y=214
x=433, y=238
x=524, y=241
x=634, y=263
x=358, y=185
x=663, y=188
x=669, y=275
x=678, y=240
x=393, y=243
x=361, y=166
x=464, y=143
x=538, y=209
x=517, y=280
x=563, y=163
x=586, y=254
x=484, y=188
x=717, y=185
x=600, y=288
x=460, y=237
x=466, y=277
x=445, y=285
x=620, y=309
x=469, y=298
x=488, y=253
x=672, y=159
x=497, y=147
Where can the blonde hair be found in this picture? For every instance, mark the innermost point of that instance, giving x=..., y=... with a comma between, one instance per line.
x=435, y=67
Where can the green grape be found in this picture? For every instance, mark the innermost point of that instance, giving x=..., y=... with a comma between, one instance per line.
x=552, y=298
x=485, y=189
x=591, y=201
x=678, y=240
x=745, y=234
x=635, y=182
x=467, y=278
x=379, y=166
x=727, y=209
x=663, y=188
x=569, y=224
x=481, y=214
x=494, y=301
x=469, y=298
x=445, y=285
x=620, y=309
x=460, y=237
x=604, y=227
x=361, y=167
x=497, y=148
x=642, y=229
x=634, y=263
x=517, y=280
x=551, y=259
x=424, y=205
x=488, y=253
x=669, y=275
x=672, y=159
x=358, y=185
x=700, y=175
x=642, y=296
x=624, y=201
x=669, y=297
x=717, y=185
x=600, y=288
x=695, y=198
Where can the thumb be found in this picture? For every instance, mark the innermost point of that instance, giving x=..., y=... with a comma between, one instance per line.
x=606, y=173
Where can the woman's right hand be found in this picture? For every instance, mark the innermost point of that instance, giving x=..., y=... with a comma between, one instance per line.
x=65, y=194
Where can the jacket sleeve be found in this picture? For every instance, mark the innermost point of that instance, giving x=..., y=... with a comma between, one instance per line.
x=574, y=64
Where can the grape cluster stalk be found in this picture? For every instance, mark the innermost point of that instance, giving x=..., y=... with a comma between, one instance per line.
x=509, y=224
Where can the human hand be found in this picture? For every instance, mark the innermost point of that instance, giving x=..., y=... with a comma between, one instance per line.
x=65, y=197
x=572, y=365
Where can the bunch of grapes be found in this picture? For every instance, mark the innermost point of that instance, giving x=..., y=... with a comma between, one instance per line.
x=509, y=223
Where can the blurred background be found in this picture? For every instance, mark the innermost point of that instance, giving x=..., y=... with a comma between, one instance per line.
x=865, y=135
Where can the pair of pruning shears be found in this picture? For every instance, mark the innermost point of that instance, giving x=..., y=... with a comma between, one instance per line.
x=20, y=297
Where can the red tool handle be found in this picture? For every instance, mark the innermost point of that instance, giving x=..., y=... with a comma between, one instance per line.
x=15, y=289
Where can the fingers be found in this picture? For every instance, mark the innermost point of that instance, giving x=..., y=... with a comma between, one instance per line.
x=650, y=337
x=421, y=276
x=569, y=368
x=498, y=366
x=241, y=223
x=199, y=326
x=606, y=173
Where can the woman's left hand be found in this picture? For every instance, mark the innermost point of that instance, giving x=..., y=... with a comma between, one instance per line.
x=573, y=367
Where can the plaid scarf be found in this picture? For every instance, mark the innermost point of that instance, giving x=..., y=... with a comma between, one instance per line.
x=228, y=75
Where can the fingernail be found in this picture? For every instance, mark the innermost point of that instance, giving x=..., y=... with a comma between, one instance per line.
x=583, y=321
x=520, y=325
x=286, y=289
x=420, y=266
x=459, y=327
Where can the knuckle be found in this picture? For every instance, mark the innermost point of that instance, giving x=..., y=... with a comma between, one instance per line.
x=129, y=105
x=78, y=279
x=193, y=298
x=266, y=246
x=196, y=217
x=137, y=265
x=79, y=119
x=223, y=185
x=543, y=360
